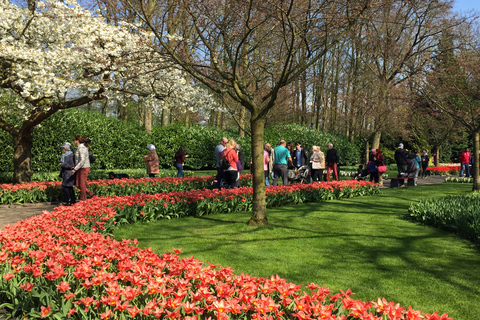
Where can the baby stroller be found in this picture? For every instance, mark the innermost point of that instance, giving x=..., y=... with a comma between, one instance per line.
x=300, y=175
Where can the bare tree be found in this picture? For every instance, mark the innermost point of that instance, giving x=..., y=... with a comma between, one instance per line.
x=248, y=50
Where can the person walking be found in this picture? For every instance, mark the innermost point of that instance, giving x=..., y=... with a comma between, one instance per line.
x=82, y=165
x=151, y=160
x=465, y=163
x=401, y=159
x=218, y=155
x=271, y=154
x=281, y=159
x=180, y=157
x=332, y=162
x=67, y=163
x=266, y=165
x=418, y=163
x=425, y=159
x=231, y=156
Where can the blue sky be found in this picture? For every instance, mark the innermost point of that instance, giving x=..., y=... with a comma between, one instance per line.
x=466, y=6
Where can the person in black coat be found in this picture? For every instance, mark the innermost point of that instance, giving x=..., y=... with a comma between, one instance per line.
x=67, y=163
x=299, y=156
x=401, y=158
x=332, y=162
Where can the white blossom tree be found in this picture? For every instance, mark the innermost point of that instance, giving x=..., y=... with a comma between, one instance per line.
x=58, y=55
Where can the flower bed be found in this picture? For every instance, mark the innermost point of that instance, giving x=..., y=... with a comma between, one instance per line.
x=459, y=179
x=52, y=190
x=444, y=170
x=458, y=214
x=62, y=264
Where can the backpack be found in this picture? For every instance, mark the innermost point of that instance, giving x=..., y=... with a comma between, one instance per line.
x=91, y=158
x=224, y=164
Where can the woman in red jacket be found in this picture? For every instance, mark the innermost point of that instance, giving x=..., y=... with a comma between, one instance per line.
x=230, y=154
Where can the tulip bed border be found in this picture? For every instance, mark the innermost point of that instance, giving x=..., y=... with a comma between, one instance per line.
x=47, y=191
x=63, y=264
x=444, y=170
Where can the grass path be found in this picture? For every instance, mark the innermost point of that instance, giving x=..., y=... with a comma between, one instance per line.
x=363, y=243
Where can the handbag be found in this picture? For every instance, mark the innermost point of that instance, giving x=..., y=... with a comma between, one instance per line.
x=382, y=169
x=316, y=165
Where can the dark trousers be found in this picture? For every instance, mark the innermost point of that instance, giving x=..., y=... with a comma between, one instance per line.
x=219, y=177
x=280, y=170
x=68, y=194
x=317, y=175
x=424, y=170
x=374, y=176
x=230, y=178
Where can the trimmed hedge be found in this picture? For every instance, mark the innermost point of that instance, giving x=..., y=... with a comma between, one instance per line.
x=122, y=145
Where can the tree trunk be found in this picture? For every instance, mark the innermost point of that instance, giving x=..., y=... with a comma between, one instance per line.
x=241, y=122
x=367, y=151
x=476, y=158
x=165, y=117
x=187, y=119
x=437, y=157
x=148, y=119
x=259, y=213
x=376, y=140
x=22, y=157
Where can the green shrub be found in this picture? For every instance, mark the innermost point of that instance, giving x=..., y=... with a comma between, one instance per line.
x=310, y=137
x=122, y=145
x=459, y=214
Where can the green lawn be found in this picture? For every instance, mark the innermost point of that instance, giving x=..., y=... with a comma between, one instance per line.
x=361, y=243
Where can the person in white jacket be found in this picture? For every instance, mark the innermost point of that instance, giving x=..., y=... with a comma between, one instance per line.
x=82, y=165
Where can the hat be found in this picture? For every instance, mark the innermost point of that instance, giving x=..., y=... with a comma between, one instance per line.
x=65, y=146
x=151, y=147
x=400, y=145
x=374, y=151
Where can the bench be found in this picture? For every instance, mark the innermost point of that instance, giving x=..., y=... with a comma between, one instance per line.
x=394, y=182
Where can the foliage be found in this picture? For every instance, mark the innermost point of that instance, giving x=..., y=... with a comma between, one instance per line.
x=459, y=179
x=6, y=177
x=121, y=145
x=459, y=214
x=309, y=137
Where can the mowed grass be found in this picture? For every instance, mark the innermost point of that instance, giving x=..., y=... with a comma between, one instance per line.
x=362, y=243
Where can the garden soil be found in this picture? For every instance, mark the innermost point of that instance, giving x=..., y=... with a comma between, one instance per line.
x=10, y=214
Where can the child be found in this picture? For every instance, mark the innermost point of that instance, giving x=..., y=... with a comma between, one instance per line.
x=67, y=163
x=358, y=175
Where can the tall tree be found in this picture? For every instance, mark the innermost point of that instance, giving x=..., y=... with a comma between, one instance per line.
x=227, y=39
x=453, y=85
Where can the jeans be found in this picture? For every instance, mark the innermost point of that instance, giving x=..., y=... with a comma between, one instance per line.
x=219, y=177
x=465, y=168
x=267, y=182
x=179, y=167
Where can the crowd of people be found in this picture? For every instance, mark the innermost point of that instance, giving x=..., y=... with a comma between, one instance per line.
x=277, y=162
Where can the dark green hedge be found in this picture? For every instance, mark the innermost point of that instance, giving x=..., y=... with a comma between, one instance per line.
x=122, y=145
